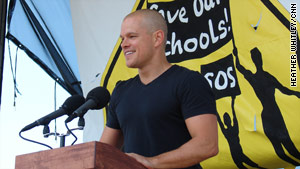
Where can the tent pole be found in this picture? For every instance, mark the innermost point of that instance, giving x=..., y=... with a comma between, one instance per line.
x=3, y=9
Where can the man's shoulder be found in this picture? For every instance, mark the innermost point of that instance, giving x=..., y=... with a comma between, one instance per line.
x=124, y=83
x=187, y=73
x=184, y=69
x=188, y=77
x=122, y=86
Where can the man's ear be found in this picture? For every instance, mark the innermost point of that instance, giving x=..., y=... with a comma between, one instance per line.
x=158, y=38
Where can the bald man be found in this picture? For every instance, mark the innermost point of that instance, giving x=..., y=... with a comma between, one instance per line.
x=165, y=117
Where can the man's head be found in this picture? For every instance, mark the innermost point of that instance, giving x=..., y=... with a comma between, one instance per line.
x=152, y=20
x=144, y=34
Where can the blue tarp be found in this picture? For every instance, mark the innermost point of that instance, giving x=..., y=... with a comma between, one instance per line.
x=43, y=29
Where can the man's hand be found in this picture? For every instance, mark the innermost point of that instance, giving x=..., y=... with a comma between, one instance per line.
x=141, y=159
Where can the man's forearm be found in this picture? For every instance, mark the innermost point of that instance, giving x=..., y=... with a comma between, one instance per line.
x=189, y=154
x=112, y=137
x=203, y=145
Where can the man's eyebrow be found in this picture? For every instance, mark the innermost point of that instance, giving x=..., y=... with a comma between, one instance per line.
x=129, y=33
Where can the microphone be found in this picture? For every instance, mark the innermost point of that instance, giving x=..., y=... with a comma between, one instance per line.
x=95, y=99
x=71, y=104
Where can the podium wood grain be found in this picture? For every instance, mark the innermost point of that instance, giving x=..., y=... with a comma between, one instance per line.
x=91, y=155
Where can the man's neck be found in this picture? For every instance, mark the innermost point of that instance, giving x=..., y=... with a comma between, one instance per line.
x=151, y=72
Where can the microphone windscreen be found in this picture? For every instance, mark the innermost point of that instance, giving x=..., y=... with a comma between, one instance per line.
x=73, y=103
x=100, y=95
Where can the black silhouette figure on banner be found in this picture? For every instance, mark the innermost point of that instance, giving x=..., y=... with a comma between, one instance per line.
x=264, y=85
x=231, y=133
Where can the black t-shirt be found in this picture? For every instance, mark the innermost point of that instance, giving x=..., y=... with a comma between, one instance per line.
x=152, y=117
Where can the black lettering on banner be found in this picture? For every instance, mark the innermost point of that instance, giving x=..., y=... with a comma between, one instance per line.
x=196, y=27
x=221, y=77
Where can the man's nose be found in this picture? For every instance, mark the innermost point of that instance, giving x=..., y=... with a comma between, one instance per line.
x=124, y=43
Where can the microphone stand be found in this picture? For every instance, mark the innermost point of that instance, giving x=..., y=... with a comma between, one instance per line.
x=63, y=136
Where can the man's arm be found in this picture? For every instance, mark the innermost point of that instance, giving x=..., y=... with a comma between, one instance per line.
x=112, y=137
x=203, y=145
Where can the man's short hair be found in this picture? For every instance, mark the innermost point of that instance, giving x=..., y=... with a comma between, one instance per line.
x=152, y=19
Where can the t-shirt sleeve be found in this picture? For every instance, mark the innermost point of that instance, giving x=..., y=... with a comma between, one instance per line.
x=112, y=119
x=196, y=96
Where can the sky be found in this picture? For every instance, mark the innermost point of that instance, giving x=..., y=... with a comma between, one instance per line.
x=37, y=99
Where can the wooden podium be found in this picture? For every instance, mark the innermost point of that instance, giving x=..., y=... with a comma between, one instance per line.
x=91, y=155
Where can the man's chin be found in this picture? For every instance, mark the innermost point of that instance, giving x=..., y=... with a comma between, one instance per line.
x=131, y=65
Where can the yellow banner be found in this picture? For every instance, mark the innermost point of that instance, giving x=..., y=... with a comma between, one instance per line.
x=247, y=50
